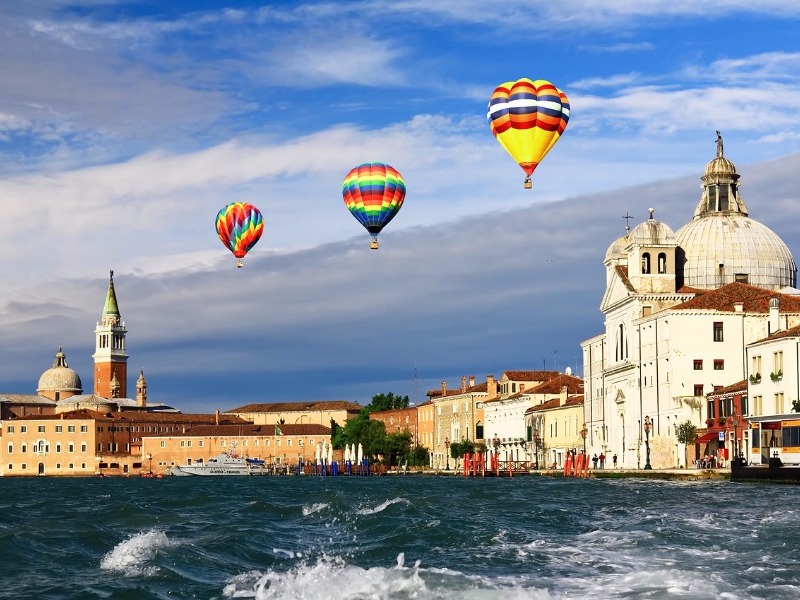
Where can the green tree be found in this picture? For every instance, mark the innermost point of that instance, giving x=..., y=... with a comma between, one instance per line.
x=686, y=433
x=387, y=402
x=396, y=447
x=418, y=456
x=371, y=434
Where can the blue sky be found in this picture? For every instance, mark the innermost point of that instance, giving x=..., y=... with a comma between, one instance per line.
x=126, y=126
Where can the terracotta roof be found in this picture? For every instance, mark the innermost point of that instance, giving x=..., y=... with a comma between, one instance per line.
x=622, y=271
x=529, y=375
x=550, y=404
x=248, y=429
x=574, y=385
x=754, y=299
x=297, y=406
x=739, y=386
x=137, y=417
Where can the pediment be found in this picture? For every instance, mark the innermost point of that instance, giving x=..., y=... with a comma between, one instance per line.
x=617, y=291
x=620, y=397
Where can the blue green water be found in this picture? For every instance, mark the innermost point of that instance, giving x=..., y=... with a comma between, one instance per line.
x=396, y=537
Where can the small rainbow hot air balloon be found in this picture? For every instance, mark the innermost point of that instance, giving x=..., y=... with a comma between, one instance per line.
x=373, y=193
x=527, y=118
x=239, y=226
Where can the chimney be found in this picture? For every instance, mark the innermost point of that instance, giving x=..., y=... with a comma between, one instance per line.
x=562, y=397
x=216, y=417
x=463, y=383
x=444, y=388
x=521, y=387
x=738, y=307
x=491, y=386
x=471, y=380
x=774, y=316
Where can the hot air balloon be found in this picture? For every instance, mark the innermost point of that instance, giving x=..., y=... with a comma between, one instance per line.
x=527, y=118
x=239, y=226
x=373, y=193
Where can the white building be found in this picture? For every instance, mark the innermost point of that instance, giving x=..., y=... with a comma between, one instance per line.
x=679, y=310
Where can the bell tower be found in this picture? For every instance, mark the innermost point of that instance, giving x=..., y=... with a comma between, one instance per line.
x=110, y=358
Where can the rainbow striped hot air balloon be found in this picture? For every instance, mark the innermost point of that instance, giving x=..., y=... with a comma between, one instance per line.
x=527, y=118
x=374, y=193
x=239, y=226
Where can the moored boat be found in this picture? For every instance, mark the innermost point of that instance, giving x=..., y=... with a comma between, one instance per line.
x=225, y=464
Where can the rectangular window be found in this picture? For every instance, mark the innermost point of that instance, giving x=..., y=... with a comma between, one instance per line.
x=698, y=364
x=71, y=448
x=58, y=448
x=718, y=331
x=710, y=410
x=10, y=429
x=41, y=428
x=289, y=442
x=777, y=359
x=200, y=443
x=698, y=389
x=163, y=444
x=84, y=428
x=779, y=403
x=183, y=443
x=71, y=428
x=719, y=364
x=58, y=428
x=24, y=448
x=11, y=448
x=23, y=428
x=83, y=447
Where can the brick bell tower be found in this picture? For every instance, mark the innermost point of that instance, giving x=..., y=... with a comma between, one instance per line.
x=110, y=358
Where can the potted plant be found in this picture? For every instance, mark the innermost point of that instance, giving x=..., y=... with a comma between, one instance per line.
x=710, y=422
x=776, y=376
x=755, y=377
x=722, y=420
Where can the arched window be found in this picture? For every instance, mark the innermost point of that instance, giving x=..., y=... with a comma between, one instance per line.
x=621, y=343
x=645, y=263
x=662, y=262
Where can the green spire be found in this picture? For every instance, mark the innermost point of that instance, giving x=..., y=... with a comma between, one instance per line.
x=111, y=309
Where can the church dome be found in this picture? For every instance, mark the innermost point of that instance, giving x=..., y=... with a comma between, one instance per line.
x=720, y=249
x=60, y=378
x=722, y=244
x=617, y=249
x=651, y=233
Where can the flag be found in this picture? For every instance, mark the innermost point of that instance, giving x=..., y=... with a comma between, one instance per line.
x=278, y=430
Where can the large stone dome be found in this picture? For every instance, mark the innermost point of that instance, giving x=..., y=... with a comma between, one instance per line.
x=721, y=249
x=60, y=378
x=722, y=244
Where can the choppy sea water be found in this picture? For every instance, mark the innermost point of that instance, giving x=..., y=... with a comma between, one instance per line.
x=396, y=538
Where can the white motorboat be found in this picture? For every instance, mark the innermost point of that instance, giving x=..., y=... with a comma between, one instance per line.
x=227, y=463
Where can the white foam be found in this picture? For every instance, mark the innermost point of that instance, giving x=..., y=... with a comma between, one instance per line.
x=313, y=508
x=131, y=556
x=381, y=507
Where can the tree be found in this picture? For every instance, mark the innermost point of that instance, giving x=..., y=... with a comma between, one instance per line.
x=396, y=447
x=387, y=402
x=686, y=433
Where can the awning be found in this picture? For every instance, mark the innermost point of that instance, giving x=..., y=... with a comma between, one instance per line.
x=708, y=437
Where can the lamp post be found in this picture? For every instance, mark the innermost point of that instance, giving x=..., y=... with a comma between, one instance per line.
x=537, y=439
x=447, y=453
x=648, y=426
x=584, y=431
x=150, y=466
x=735, y=421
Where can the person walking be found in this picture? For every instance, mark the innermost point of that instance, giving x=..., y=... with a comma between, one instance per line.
x=602, y=460
x=614, y=458
x=594, y=461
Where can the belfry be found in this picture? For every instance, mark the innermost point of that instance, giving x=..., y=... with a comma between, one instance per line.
x=110, y=358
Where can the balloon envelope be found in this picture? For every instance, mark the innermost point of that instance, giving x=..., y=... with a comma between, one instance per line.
x=239, y=227
x=527, y=118
x=374, y=193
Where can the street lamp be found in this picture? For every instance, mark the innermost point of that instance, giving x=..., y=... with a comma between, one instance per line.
x=584, y=431
x=447, y=453
x=150, y=467
x=735, y=421
x=648, y=426
x=537, y=440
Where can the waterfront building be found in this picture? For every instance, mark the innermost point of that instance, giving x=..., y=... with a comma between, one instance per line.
x=727, y=434
x=398, y=420
x=288, y=444
x=425, y=419
x=298, y=413
x=679, y=310
x=457, y=416
x=773, y=392
x=556, y=427
x=511, y=432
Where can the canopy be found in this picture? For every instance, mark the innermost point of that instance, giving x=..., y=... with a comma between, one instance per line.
x=708, y=437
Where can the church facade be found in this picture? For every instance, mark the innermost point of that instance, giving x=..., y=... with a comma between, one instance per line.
x=679, y=310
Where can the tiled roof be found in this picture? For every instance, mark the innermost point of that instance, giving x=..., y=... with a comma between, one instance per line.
x=622, y=271
x=297, y=406
x=550, y=404
x=754, y=299
x=139, y=417
x=529, y=375
x=574, y=385
x=739, y=386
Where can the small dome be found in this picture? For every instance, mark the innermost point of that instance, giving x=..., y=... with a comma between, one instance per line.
x=617, y=249
x=720, y=167
x=651, y=233
x=60, y=378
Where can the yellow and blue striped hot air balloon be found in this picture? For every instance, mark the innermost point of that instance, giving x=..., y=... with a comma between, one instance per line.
x=239, y=227
x=527, y=118
x=373, y=193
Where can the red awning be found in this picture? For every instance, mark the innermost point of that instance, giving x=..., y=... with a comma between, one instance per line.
x=708, y=437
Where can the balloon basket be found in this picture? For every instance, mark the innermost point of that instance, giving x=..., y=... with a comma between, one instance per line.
x=239, y=264
x=528, y=185
x=373, y=244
